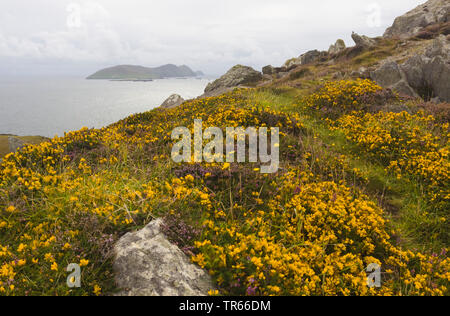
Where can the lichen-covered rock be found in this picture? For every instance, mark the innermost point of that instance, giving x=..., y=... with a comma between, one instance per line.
x=429, y=73
x=437, y=68
x=268, y=70
x=337, y=48
x=15, y=143
x=282, y=74
x=426, y=75
x=147, y=264
x=172, y=102
x=389, y=75
x=310, y=57
x=362, y=73
x=413, y=22
x=293, y=62
x=413, y=69
x=235, y=77
x=304, y=59
x=363, y=41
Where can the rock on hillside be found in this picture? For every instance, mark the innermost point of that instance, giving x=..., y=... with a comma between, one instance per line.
x=389, y=75
x=235, y=77
x=293, y=62
x=15, y=143
x=363, y=41
x=304, y=59
x=311, y=56
x=413, y=22
x=427, y=74
x=172, y=102
x=337, y=48
x=147, y=264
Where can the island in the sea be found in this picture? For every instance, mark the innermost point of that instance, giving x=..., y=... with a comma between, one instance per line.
x=140, y=73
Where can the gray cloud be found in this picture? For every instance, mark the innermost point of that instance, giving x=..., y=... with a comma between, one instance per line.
x=49, y=36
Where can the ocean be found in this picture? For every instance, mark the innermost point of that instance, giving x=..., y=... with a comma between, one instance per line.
x=52, y=106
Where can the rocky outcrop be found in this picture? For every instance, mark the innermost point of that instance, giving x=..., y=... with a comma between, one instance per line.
x=292, y=63
x=15, y=144
x=389, y=75
x=416, y=20
x=310, y=57
x=362, y=73
x=278, y=72
x=363, y=41
x=429, y=74
x=426, y=75
x=304, y=59
x=237, y=76
x=147, y=264
x=268, y=70
x=173, y=101
x=338, y=47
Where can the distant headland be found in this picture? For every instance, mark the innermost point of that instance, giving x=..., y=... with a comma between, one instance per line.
x=140, y=73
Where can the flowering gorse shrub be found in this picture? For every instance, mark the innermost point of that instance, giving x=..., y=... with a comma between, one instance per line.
x=408, y=145
x=344, y=95
x=310, y=238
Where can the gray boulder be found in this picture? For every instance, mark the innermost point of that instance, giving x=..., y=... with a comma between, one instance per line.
x=304, y=59
x=413, y=69
x=310, y=57
x=173, y=101
x=268, y=70
x=15, y=143
x=437, y=68
x=337, y=48
x=363, y=41
x=426, y=75
x=338, y=75
x=235, y=77
x=389, y=75
x=413, y=22
x=429, y=73
x=293, y=62
x=147, y=264
x=281, y=74
x=362, y=72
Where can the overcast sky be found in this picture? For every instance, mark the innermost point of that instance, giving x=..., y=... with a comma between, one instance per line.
x=79, y=37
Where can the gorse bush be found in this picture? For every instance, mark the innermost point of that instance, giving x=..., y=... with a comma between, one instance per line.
x=412, y=146
x=344, y=94
x=406, y=144
x=336, y=98
x=311, y=238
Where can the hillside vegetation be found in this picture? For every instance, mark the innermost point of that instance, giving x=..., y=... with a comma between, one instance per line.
x=355, y=187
